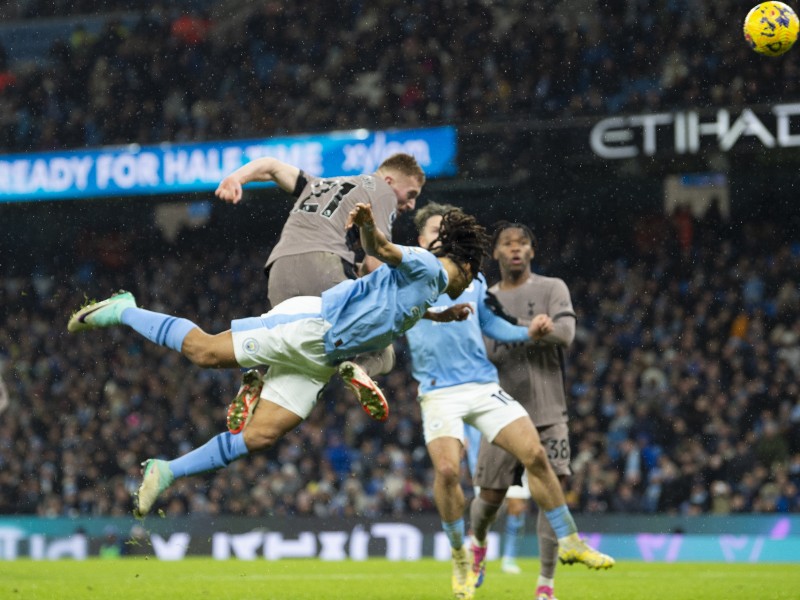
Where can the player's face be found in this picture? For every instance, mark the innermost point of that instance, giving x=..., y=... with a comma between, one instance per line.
x=430, y=231
x=460, y=282
x=406, y=189
x=513, y=251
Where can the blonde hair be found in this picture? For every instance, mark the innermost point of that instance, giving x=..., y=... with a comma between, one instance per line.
x=405, y=164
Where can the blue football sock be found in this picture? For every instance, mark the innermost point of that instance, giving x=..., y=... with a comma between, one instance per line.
x=561, y=520
x=218, y=452
x=514, y=525
x=159, y=328
x=455, y=533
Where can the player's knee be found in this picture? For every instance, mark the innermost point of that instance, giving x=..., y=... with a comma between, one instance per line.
x=259, y=438
x=537, y=459
x=204, y=357
x=448, y=473
x=200, y=349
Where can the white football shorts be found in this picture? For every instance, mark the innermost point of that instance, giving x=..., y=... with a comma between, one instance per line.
x=485, y=406
x=289, y=339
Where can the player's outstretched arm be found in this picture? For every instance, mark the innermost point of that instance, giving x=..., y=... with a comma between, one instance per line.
x=260, y=169
x=373, y=240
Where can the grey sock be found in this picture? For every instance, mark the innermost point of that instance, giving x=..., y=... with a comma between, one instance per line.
x=481, y=516
x=548, y=546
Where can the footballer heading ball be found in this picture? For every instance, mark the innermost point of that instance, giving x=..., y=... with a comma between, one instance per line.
x=771, y=28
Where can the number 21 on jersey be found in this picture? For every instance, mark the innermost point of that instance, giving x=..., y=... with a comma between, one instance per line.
x=329, y=192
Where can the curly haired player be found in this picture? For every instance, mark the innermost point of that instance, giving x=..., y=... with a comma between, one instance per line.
x=313, y=253
x=303, y=339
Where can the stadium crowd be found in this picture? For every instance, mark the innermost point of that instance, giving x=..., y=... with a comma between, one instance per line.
x=176, y=72
x=683, y=379
x=682, y=383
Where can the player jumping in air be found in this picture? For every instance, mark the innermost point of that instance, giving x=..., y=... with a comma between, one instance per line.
x=303, y=339
x=313, y=254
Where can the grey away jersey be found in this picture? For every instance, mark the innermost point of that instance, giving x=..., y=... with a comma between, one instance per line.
x=317, y=221
x=534, y=373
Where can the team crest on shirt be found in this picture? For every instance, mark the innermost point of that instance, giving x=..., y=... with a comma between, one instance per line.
x=368, y=182
x=251, y=346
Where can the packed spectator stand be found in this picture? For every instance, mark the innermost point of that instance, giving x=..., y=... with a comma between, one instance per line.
x=683, y=380
x=683, y=385
x=205, y=71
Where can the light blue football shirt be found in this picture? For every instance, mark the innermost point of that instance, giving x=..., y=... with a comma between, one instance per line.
x=367, y=314
x=448, y=354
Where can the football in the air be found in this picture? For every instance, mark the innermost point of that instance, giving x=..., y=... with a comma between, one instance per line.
x=771, y=28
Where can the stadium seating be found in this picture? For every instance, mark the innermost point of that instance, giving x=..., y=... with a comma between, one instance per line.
x=683, y=379
x=239, y=69
x=683, y=383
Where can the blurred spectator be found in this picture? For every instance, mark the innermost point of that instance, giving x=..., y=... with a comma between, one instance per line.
x=671, y=412
x=199, y=70
x=111, y=546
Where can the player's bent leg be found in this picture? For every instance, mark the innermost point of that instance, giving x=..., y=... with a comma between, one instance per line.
x=367, y=392
x=521, y=439
x=269, y=424
x=209, y=351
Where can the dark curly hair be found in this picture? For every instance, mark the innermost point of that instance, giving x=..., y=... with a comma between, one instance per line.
x=463, y=240
x=501, y=226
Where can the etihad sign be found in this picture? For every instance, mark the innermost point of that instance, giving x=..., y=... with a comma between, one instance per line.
x=682, y=132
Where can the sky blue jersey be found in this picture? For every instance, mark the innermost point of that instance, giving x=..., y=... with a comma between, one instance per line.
x=367, y=314
x=447, y=354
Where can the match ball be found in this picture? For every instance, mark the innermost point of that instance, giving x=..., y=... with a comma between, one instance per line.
x=771, y=28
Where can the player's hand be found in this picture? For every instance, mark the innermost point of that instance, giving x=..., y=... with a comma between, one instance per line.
x=457, y=312
x=229, y=190
x=360, y=215
x=540, y=326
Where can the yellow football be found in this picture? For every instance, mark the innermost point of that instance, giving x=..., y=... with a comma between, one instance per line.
x=771, y=28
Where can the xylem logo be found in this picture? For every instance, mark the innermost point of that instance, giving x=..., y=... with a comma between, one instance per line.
x=366, y=158
x=628, y=137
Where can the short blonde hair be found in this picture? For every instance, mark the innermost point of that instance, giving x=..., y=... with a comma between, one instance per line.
x=405, y=164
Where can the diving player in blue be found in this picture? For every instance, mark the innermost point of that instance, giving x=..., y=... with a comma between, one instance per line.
x=303, y=339
x=457, y=385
